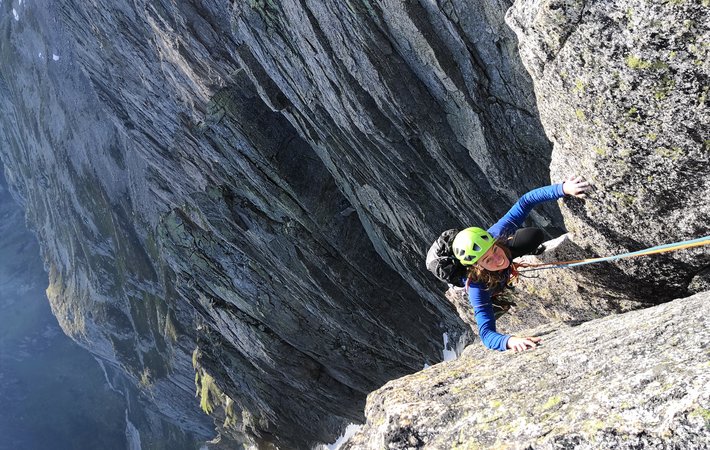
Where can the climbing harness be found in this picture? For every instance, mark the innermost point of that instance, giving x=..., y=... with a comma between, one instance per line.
x=527, y=267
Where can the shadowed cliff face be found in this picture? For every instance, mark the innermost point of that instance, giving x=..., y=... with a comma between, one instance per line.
x=55, y=394
x=407, y=104
x=259, y=182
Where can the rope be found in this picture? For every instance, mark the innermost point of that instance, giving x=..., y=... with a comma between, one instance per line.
x=525, y=267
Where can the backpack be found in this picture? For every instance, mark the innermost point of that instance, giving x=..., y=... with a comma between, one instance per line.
x=440, y=260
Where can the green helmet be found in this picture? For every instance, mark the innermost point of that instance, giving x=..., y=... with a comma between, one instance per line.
x=470, y=244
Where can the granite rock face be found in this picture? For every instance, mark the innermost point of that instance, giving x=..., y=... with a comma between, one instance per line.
x=622, y=91
x=634, y=380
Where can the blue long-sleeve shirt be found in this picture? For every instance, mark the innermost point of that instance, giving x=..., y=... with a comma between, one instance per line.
x=479, y=297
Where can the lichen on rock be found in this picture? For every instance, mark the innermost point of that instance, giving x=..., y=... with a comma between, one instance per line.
x=635, y=380
x=621, y=89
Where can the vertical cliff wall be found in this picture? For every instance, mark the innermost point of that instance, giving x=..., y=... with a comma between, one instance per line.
x=54, y=393
x=407, y=103
x=255, y=183
x=259, y=181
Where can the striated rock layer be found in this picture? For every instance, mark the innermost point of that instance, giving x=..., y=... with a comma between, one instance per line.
x=635, y=380
x=247, y=189
x=259, y=181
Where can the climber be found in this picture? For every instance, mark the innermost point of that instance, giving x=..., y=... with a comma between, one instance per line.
x=488, y=256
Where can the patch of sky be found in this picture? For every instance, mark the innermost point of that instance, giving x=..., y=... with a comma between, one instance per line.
x=14, y=13
x=55, y=57
x=449, y=355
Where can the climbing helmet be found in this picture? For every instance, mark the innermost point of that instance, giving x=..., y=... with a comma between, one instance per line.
x=470, y=244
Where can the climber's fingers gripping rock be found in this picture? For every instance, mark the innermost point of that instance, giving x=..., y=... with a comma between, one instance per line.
x=576, y=186
x=520, y=344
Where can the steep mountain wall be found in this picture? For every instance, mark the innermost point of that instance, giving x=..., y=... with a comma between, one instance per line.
x=54, y=393
x=622, y=90
x=248, y=188
x=259, y=181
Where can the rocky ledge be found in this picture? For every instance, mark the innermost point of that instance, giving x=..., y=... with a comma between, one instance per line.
x=634, y=380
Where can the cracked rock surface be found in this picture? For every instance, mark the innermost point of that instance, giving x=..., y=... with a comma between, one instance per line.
x=634, y=380
x=622, y=90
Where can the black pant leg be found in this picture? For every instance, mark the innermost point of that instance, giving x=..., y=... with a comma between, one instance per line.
x=525, y=241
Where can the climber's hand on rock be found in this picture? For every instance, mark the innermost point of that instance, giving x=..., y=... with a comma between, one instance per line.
x=576, y=186
x=520, y=344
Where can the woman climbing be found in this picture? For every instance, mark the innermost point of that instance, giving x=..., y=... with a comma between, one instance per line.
x=487, y=254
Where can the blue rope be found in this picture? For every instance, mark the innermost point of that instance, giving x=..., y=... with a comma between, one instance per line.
x=700, y=241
